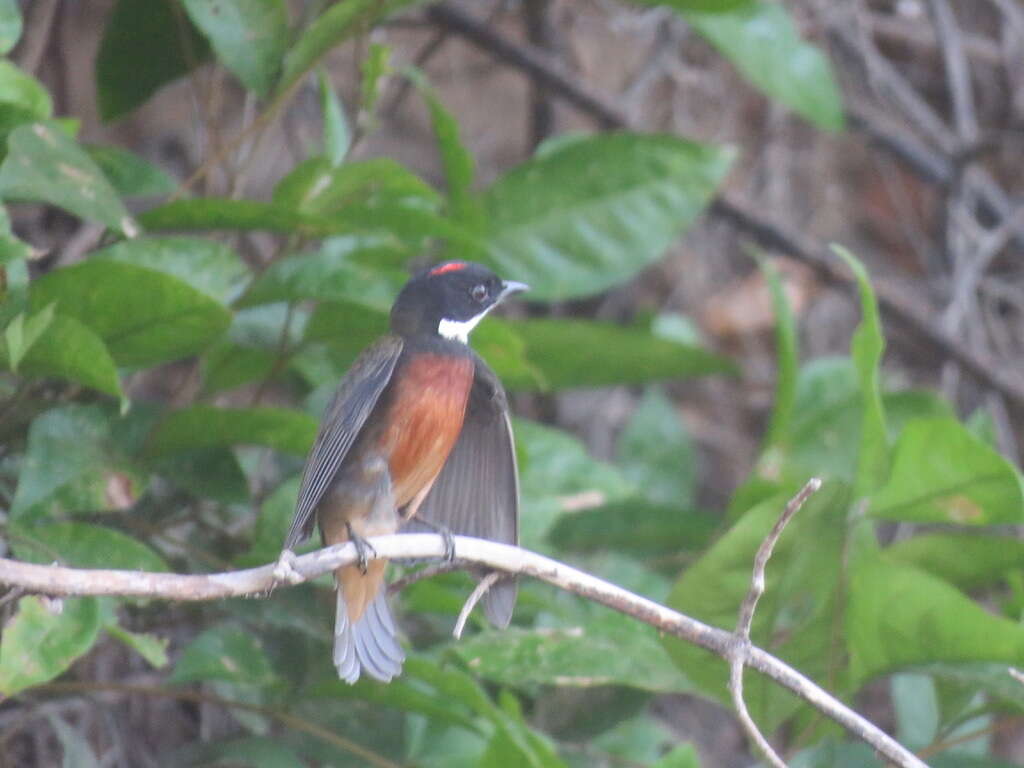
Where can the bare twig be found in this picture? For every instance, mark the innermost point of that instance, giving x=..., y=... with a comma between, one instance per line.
x=550, y=75
x=57, y=580
x=738, y=658
x=957, y=71
x=474, y=597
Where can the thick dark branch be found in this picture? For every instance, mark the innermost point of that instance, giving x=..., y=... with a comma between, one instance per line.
x=56, y=580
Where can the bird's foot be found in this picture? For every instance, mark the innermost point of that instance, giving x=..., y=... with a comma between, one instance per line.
x=363, y=547
x=284, y=570
x=449, y=540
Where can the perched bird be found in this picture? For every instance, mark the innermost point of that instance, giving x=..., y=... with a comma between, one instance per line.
x=419, y=424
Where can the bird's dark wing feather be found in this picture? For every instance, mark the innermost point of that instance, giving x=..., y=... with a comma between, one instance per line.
x=345, y=416
x=477, y=492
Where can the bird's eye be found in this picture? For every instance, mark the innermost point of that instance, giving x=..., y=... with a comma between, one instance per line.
x=479, y=292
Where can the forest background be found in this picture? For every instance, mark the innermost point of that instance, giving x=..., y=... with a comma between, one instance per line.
x=209, y=206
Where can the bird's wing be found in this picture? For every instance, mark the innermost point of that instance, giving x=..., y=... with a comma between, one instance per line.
x=344, y=418
x=477, y=491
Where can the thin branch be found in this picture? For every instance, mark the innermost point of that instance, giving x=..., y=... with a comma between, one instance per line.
x=738, y=658
x=957, y=71
x=565, y=85
x=474, y=597
x=57, y=580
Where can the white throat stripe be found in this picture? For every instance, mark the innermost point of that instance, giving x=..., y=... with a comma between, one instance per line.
x=458, y=330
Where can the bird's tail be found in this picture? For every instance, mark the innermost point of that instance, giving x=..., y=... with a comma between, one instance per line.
x=368, y=641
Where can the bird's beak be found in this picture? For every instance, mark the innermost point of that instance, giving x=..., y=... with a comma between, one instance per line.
x=510, y=287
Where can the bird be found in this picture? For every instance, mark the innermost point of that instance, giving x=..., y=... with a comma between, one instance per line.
x=418, y=427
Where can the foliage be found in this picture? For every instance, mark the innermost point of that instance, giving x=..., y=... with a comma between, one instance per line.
x=92, y=474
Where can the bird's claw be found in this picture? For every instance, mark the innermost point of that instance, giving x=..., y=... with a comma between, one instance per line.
x=284, y=570
x=449, y=544
x=362, y=548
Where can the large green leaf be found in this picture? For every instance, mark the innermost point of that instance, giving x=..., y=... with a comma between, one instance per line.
x=762, y=41
x=206, y=426
x=898, y=616
x=203, y=213
x=144, y=316
x=604, y=651
x=966, y=560
x=210, y=267
x=129, y=174
x=227, y=653
x=84, y=545
x=317, y=186
x=73, y=352
x=574, y=353
x=337, y=138
x=797, y=615
x=64, y=445
x=23, y=92
x=249, y=36
x=943, y=473
x=594, y=213
x=354, y=268
x=146, y=44
x=40, y=643
x=44, y=164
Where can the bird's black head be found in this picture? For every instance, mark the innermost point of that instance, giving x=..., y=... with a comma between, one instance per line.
x=449, y=300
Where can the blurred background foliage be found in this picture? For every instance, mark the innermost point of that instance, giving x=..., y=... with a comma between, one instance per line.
x=209, y=206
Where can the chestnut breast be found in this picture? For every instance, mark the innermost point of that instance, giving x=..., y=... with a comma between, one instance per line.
x=424, y=420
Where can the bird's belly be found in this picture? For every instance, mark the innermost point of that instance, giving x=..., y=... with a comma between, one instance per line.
x=425, y=420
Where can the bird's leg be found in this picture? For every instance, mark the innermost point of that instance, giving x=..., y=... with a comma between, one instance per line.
x=449, y=540
x=362, y=547
x=284, y=570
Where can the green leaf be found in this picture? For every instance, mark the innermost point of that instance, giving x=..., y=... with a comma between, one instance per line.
x=276, y=513
x=43, y=164
x=144, y=316
x=604, y=651
x=212, y=268
x=917, y=709
x=376, y=66
x=205, y=426
x=343, y=269
x=787, y=356
x=680, y=757
x=11, y=250
x=22, y=91
x=796, y=617
x=898, y=616
x=73, y=352
x=129, y=174
x=555, y=466
x=339, y=22
x=10, y=25
x=84, y=545
x=150, y=647
x=224, y=653
x=656, y=452
x=867, y=348
x=249, y=36
x=967, y=560
x=217, y=213
x=336, y=134
x=227, y=365
x=64, y=444
x=362, y=325
x=146, y=44
x=594, y=213
x=317, y=187
x=458, y=164
x=39, y=643
x=575, y=353
x=247, y=752
x=212, y=473
x=762, y=41
x=943, y=473
x=662, y=529
x=21, y=334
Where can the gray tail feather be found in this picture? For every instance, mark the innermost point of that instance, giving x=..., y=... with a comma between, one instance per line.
x=499, y=602
x=371, y=644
